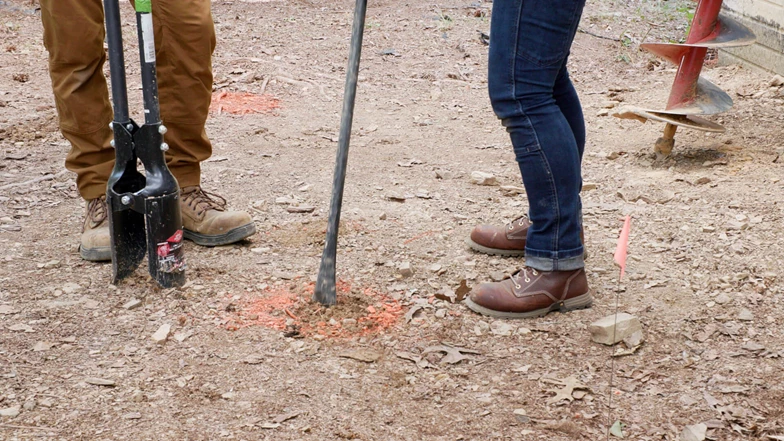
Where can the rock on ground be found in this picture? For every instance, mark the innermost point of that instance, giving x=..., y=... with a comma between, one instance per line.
x=611, y=329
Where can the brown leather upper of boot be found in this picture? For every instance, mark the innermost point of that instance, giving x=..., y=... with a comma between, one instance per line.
x=508, y=240
x=208, y=222
x=532, y=293
x=95, y=244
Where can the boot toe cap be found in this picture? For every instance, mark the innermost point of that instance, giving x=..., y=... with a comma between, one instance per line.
x=486, y=295
x=218, y=223
x=95, y=245
x=97, y=238
x=229, y=221
x=484, y=235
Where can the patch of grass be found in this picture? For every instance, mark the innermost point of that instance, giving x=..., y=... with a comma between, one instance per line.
x=688, y=13
x=445, y=22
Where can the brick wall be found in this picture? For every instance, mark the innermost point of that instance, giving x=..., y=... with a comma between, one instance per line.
x=766, y=19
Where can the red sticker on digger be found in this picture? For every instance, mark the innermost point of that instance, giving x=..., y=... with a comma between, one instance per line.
x=176, y=237
x=170, y=254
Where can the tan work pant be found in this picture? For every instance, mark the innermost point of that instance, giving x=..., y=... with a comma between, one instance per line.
x=184, y=40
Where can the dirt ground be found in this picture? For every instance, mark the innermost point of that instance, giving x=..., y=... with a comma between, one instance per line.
x=249, y=358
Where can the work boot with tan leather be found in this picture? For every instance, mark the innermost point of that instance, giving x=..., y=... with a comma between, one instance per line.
x=531, y=293
x=95, y=244
x=507, y=240
x=207, y=221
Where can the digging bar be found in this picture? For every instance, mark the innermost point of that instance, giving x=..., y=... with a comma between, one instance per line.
x=324, y=292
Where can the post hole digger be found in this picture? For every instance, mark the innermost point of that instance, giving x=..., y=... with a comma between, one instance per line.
x=144, y=208
x=324, y=292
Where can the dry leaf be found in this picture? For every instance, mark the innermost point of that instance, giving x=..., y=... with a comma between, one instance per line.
x=253, y=359
x=445, y=295
x=420, y=362
x=458, y=296
x=285, y=417
x=738, y=428
x=43, y=346
x=694, y=433
x=410, y=163
x=7, y=309
x=752, y=346
x=730, y=328
x=99, y=381
x=714, y=424
x=617, y=429
x=363, y=355
x=712, y=402
x=620, y=352
x=15, y=156
x=565, y=393
x=453, y=354
x=462, y=291
x=413, y=311
x=734, y=389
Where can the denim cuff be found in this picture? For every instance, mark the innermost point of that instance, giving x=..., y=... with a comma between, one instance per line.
x=546, y=264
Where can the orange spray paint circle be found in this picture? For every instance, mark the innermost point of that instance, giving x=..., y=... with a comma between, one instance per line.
x=359, y=312
x=237, y=103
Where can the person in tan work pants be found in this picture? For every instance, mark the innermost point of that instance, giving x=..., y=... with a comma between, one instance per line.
x=184, y=40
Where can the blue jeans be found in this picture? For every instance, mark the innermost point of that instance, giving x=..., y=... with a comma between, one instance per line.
x=532, y=94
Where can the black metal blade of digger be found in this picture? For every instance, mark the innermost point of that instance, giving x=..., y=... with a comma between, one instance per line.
x=125, y=225
x=145, y=208
x=324, y=292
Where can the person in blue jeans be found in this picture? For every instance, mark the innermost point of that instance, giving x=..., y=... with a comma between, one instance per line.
x=532, y=94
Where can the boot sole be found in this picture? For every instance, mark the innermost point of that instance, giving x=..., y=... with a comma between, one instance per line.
x=575, y=303
x=100, y=254
x=217, y=240
x=494, y=251
x=504, y=253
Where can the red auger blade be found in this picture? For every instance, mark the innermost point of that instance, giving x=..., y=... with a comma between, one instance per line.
x=692, y=94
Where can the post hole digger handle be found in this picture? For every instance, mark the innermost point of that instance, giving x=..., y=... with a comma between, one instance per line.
x=324, y=292
x=145, y=212
x=116, y=60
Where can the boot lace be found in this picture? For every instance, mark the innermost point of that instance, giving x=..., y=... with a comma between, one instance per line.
x=97, y=210
x=520, y=221
x=202, y=201
x=523, y=275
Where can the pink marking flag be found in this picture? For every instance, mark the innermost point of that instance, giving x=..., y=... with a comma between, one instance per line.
x=623, y=245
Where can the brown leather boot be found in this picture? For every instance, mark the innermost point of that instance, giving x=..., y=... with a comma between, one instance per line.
x=95, y=244
x=531, y=293
x=508, y=240
x=207, y=222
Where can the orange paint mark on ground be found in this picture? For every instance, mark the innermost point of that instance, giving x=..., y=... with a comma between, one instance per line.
x=420, y=236
x=368, y=311
x=242, y=103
